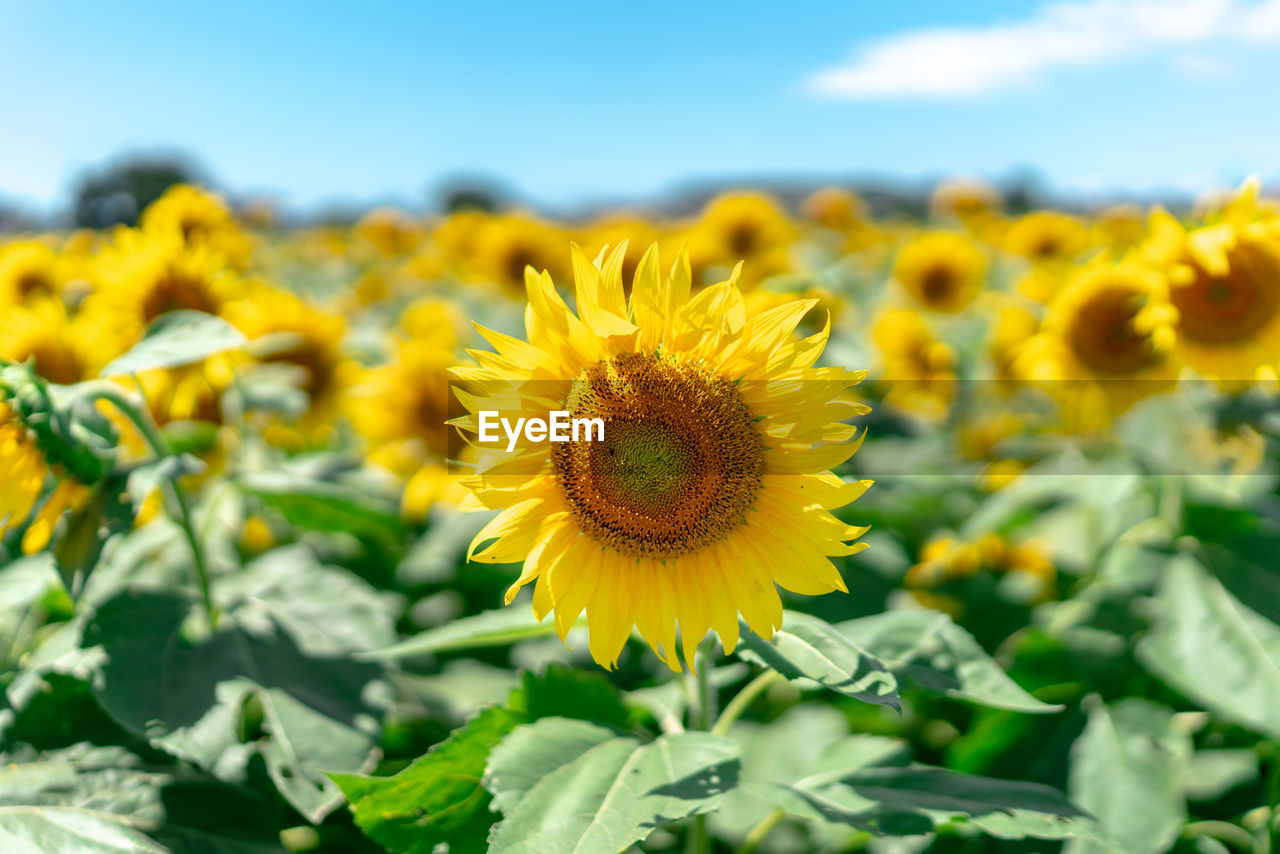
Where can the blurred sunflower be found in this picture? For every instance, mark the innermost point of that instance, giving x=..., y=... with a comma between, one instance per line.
x=142, y=276
x=25, y=471
x=712, y=481
x=30, y=271
x=987, y=583
x=1047, y=237
x=402, y=409
x=917, y=370
x=197, y=217
x=965, y=199
x=287, y=331
x=747, y=227
x=1224, y=280
x=503, y=246
x=390, y=232
x=62, y=347
x=1120, y=227
x=942, y=271
x=1014, y=326
x=835, y=208
x=1105, y=343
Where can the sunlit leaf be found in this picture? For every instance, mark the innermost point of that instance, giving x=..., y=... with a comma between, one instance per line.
x=177, y=338
x=811, y=649
x=928, y=649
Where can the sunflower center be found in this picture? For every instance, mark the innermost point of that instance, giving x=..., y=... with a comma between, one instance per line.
x=938, y=283
x=176, y=291
x=680, y=462
x=1103, y=335
x=1219, y=310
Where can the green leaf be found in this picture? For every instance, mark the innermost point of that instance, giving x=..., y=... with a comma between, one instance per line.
x=177, y=338
x=1208, y=645
x=500, y=627
x=323, y=506
x=887, y=800
x=185, y=694
x=61, y=830
x=811, y=649
x=927, y=648
x=1126, y=769
x=532, y=752
x=1213, y=773
x=608, y=796
x=175, y=805
x=437, y=799
x=153, y=473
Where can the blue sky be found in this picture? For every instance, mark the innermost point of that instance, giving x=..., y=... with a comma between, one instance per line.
x=318, y=103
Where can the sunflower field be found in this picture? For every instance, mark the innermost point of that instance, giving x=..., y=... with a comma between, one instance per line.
x=945, y=533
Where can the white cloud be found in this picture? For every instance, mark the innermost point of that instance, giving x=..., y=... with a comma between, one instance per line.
x=958, y=61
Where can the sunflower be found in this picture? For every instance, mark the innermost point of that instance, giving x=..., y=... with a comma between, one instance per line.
x=1047, y=237
x=965, y=199
x=30, y=271
x=1120, y=227
x=835, y=208
x=390, y=232
x=288, y=331
x=941, y=270
x=711, y=483
x=198, y=218
x=948, y=567
x=917, y=369
x=143, y=276
x=1105, y=343
x=401, y=409
x=61, y=347
x=751, y=227
x=25, y=470
x=1014, y=326
x=1224, y=281
x=502, y=246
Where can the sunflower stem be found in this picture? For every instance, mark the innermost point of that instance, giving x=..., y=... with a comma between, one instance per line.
x=701, y=715
x=742, y=700
x=129, y=407
x=762, y=829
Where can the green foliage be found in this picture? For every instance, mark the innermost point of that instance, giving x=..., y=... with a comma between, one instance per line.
x=437, y=799
x=811, y=651
x=177, y=338
x=568, y=785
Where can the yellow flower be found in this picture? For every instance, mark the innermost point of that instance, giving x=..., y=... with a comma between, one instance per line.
x=198, y=218
x=947, y=560
x=1224, y=281
x=30, y=271
x=941, y=270
x=917, y=369
x=287, y=331
x=143, y=276
x=1105, y=343
x=24, y=471
x=1120, y=227
x=391, y=232
x=748, y=227
x=711, y=483
x=835, y=208
x=1014, y=326
x=965, y=199
x=61, y=346
x=503, y=246
x=1047, y=237
x=402, y=409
